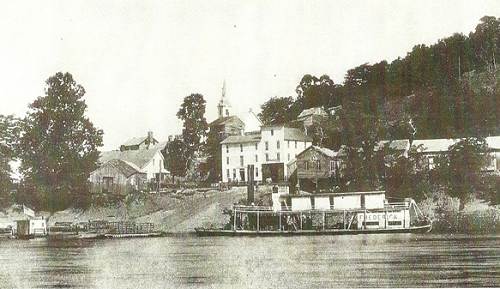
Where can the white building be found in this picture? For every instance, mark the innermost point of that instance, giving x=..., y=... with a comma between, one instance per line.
x=148, y=158
x=268, y=150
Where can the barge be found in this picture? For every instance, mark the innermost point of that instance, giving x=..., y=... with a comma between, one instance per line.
x=324, y=214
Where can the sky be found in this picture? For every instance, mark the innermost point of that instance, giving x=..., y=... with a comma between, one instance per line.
x=137, y=60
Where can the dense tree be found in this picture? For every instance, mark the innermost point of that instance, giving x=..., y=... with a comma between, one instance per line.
x=192, y=113
x=9, y=134
x=176, y=158
x=58, y=147
x=313, y=91
x=462, y=169
x=279, y=110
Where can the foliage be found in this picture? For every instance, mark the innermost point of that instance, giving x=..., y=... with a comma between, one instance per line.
x=214, y=153
x=176, y=158
x=279, y=110
x=58, y=147
x=461, y=170
x=9, y=135
x=192, y=113
x=408, y=176
x=313, y=92
x=363, y=165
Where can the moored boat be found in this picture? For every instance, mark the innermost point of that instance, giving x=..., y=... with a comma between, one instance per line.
x=324, y=214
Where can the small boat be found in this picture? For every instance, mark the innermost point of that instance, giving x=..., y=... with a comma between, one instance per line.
x=324, y=214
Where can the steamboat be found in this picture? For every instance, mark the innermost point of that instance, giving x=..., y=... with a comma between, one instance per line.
x=323, y=214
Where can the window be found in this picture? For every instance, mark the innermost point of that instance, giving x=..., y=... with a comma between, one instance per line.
x=227, y=148
x=242, y=163
x=267, y=157
x=234, y=174
x=227, y=112
x=278, y=144
x=227, y=160
x=256, y=146
x=241, y=147
x=278, y=156
x=256, y=158
x=332, y=166
x=295, y=144
x=228, y=174
x=267, y=146
x=306, y=165
x=272, y=132
x=318, y=165
x=288, y=144
x=107, y=184
x=256, y=172
x=288, y=157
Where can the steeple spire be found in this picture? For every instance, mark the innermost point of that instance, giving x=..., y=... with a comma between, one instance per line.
x=223, y=107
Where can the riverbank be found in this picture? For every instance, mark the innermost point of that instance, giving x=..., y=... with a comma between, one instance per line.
x=179, y=212
x=477, y=217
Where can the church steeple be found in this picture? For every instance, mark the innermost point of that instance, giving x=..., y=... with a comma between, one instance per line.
x=224, y=108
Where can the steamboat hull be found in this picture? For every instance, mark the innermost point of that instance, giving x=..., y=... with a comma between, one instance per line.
x=220, y=232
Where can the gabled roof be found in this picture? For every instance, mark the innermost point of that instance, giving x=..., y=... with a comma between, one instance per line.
x=137, y=141
x=400, y=144
x=325, y=151
x=442, y=145
x=249, y=138
x=435, y=145
x=296, y=134
x=140, y=157
x=126, y=168
x=312, y=111
x=226, y=119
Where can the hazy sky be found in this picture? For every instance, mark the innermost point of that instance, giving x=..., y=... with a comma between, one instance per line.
x=138, y=59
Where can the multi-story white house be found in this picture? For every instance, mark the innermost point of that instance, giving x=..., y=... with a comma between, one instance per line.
x=269, y=150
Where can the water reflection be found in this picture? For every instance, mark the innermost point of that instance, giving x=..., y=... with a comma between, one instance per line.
x=271, y=262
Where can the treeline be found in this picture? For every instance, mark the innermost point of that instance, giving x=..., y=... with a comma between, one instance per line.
x=448, y=89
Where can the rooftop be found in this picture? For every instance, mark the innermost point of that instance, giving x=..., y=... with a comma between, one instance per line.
x=249, y=138
x=126, y=168
x=139, y=158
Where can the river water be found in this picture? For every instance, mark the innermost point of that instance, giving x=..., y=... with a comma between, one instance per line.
x=401, y=260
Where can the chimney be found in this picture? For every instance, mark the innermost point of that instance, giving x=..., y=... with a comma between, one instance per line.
x=150, y=140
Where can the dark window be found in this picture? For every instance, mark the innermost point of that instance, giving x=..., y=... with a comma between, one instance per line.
x=228, y=174
x=312, y=203
x=107, y=184
x=234, y=174
x=256, y=146
x=318, y=165
x=267, y=146
x=278, y=144
x=371, y=223
x=306, y=165
x=394, y=223
x=272, y=132
x=256, y=172
x=241, y=148
x=362, y=201
x=227, y=148
x=278, y=156
x=227, y=160
x=267, y=157
x=242, y=163
x=256, y=158
x=295, y=144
